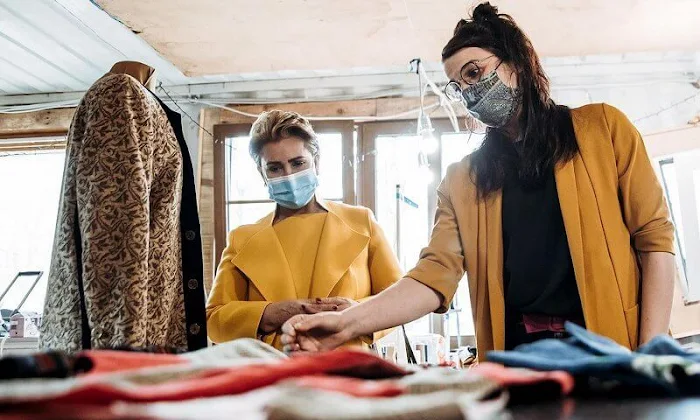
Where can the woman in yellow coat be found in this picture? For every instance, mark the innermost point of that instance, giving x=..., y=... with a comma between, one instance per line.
x=309, y=256
x=557, y=217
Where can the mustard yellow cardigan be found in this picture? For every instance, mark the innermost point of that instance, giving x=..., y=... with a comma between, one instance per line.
x=613, y=207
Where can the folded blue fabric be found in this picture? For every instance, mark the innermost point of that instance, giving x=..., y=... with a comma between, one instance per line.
x=589, y=355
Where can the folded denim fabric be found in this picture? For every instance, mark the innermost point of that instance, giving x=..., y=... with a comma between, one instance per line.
x=587, y=355
x=683, y=373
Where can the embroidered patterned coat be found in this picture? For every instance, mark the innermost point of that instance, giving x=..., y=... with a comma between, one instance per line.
x=126, y=268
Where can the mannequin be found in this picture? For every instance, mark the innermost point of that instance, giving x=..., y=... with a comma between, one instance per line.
x=143, y=73
x=126, y=268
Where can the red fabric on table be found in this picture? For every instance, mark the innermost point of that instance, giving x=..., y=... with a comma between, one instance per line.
x=360, y=388
x=230, y=381
x=511, y=377
x=110, y=361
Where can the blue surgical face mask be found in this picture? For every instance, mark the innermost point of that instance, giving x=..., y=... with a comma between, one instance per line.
x=293, y=191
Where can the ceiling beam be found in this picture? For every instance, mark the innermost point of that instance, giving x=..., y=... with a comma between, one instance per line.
x=54, y=122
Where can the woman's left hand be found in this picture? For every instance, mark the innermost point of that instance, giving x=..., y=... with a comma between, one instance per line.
x=341, y=303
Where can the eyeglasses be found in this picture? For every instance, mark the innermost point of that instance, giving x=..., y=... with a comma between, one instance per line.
x=471, y=73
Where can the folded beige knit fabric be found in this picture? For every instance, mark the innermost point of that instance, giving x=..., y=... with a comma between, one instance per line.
x=241, y=349
x=435, y=393
x=309, y=404
x=446, y=379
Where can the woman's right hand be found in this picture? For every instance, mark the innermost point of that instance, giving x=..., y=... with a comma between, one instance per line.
x=313, y=333
x=277, y=313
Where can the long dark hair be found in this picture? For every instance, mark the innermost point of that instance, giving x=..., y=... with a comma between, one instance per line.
x=545, y=141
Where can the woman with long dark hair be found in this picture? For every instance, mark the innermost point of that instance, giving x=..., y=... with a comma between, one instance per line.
x=557, y=217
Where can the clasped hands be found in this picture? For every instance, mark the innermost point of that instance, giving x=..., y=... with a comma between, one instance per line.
x=277, y=313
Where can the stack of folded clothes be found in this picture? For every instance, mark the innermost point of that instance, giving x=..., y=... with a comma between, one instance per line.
x=249, y=379
x=659, y=368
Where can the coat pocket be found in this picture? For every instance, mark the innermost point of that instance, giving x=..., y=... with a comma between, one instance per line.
x=632, y=320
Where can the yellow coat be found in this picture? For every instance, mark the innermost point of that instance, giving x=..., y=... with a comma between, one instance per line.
x=354, y=260
x=612, y=205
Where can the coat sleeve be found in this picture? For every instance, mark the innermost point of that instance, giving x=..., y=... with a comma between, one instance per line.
x=113, y=178
x=441, y=263
x=641, y=196
x=229, y=314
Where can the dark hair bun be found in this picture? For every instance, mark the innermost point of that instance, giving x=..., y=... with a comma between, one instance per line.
x=485, y=12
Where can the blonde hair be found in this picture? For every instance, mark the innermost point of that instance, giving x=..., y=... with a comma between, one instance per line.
x=273, y=126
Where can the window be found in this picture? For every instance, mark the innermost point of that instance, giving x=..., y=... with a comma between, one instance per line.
x=30, y=192
x=402, y=202
x=680, y=177
x=403, y=194
x=392, y=182
x=454, y=147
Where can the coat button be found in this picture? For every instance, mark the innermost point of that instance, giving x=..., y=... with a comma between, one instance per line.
x=192, y=284
x=190, y=235
x=194, y=329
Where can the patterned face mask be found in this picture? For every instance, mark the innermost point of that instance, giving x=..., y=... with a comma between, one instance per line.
x=491, y=101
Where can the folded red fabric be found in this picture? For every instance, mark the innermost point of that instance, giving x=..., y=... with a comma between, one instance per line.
x=109, y=361
x=200, y=382
x=510, y=377
x=360, y=388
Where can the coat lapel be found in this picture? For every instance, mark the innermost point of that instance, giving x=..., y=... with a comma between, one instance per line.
x=565, y=177
x=568, y=192
x=494, y=266
x=263, y=261
x=339, y=247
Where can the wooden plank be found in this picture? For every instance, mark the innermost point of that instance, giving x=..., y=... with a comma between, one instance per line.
x=209, y=118
x=383, y=107
x=32, y=146
x=54, y=122
x=349, y=193
x=307, y=109
x=219, y=191
x=206, y=222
